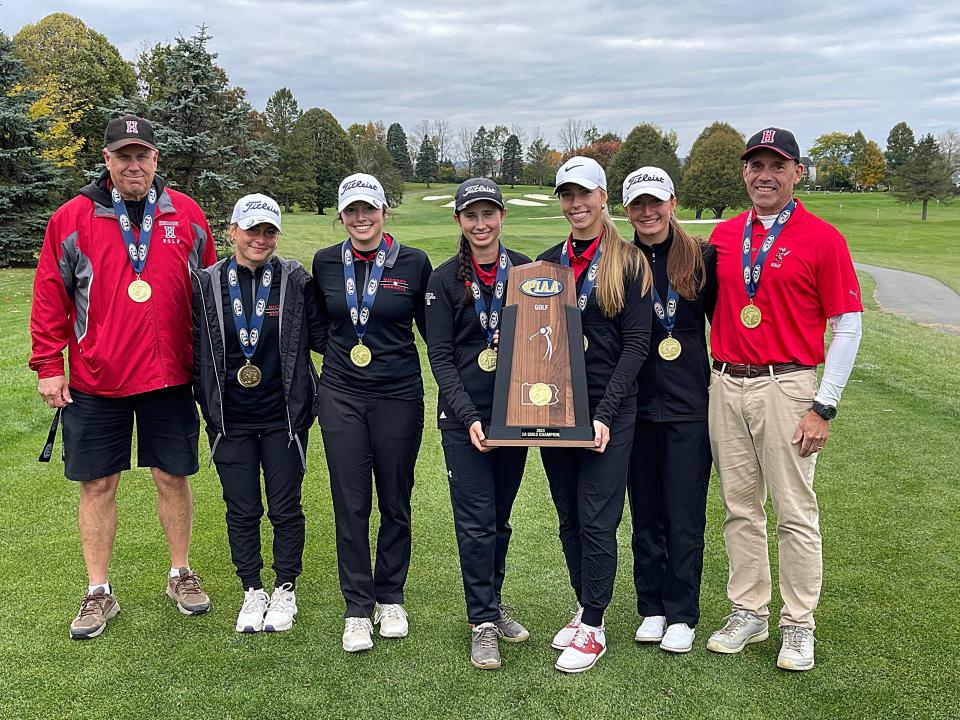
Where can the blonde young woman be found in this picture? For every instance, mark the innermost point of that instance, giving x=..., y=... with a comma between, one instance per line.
x=588, y=485
x=670, y=464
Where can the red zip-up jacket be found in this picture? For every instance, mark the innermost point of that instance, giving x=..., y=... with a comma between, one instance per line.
x=117, y=347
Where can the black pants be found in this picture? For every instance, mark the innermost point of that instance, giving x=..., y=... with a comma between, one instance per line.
x=364, y=435
x=669, y=474
x=483, y=487
x=239, y=458
x=588, y=492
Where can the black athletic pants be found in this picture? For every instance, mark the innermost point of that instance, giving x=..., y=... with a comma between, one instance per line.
x=364, y=435
x=483, y=487
x=239, y=458
x=669, y=474
x=588, y=492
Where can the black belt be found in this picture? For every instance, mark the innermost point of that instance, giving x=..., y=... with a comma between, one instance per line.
x=754, y=371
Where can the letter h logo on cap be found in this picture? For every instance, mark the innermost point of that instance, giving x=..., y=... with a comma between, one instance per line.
x=132, y=127
x=767, y=136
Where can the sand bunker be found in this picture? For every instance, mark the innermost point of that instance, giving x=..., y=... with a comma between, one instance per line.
x=537, y=196
x=437, y=197
x=449, y=204
x=529, y=203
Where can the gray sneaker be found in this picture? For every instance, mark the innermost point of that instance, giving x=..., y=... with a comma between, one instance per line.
x=742, y=628
x=484, y=651
x=510, y=629
x=95, y=609
x=796, y=652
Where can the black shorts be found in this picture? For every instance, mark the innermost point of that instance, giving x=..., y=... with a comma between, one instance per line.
x=97, y=432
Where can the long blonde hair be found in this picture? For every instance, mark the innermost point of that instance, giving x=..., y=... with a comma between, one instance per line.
x=621, y=261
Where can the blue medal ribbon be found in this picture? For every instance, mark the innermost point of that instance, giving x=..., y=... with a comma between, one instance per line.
x=360, y=311
x=751, y=273
x=490, y=322
x=249, y=334
x=591, y=279
x=667, y=315
x=136, y=248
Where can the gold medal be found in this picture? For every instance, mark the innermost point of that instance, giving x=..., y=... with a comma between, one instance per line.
x=669, y=348
x=249, y=375
x=750, y=316
x=487, y=360
x=586, y=343
x=540, y=394
x=360, y=355
x=139, y=290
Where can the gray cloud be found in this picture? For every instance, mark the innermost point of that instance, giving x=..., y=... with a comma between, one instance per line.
x=819, y=67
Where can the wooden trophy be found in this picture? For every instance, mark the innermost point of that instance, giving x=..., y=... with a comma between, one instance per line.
x=540, y=395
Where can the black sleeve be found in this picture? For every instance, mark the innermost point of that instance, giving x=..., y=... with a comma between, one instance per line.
x=317, y=329
x=419, y=303
x=197, y=311
x=323, y=315
x=635, y=320
x=710, y=281
x=440, y=330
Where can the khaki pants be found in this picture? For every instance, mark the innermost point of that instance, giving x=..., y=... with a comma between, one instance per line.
x=752, y=421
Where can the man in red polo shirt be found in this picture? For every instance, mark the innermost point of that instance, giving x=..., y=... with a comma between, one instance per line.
x=783, y=275
x=113, y=288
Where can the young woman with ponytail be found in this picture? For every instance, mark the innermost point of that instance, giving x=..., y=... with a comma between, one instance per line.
x=670, y=463
x=464, y=300
x=587, y=485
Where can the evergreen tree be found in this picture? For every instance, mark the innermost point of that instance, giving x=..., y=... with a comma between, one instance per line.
x=292, y=179
x=397, y=145
x=925, y=176
x=332, y=156
x=213, y=145
x=712, y=177
x=27, y=181
x=481, y=153
x=512, y=168
x=539, y=168
x=426, y=162
x=900, y=146
x=645, y=145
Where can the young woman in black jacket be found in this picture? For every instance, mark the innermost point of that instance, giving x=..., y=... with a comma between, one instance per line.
x=588, y=485
x=370, y=292
x=464, y=301
x=670, y=464
x=254, y=324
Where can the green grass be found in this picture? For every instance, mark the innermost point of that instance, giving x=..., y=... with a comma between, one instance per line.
x=890, y=508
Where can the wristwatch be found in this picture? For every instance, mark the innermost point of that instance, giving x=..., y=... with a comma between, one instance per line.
x=827, y=412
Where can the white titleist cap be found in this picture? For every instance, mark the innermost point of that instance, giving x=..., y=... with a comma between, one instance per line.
x=583, y=171
x=648, y=180
x=360, y=187
x=254, y=209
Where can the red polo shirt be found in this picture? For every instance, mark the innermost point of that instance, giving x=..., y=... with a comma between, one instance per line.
x=807, y=278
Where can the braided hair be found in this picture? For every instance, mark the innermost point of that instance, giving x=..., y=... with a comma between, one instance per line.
x=465, y=268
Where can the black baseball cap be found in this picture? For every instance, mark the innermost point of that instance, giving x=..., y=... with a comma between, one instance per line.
x=477, y=189
x=128, y=130
x=777, y=139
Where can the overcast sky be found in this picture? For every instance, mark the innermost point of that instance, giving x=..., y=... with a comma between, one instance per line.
x=821, y=67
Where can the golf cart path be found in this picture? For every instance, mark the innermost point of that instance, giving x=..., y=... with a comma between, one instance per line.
x=917, y=297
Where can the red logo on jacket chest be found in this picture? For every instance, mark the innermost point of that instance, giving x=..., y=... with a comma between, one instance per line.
x=396, y=284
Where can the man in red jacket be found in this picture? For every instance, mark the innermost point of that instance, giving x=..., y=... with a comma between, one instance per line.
x=113, y=286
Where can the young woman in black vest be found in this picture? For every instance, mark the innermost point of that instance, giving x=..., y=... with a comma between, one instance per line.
x=670, y=464
x=464, y=302
x=370, y=291
x=588, y=485
x=254, y=324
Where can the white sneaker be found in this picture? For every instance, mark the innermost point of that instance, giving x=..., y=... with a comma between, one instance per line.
x=741, y=628
x=588, y=645
x=282, y=610
x=796, y=652
x=392, y=619
x=566, y=634
x=357, y=634
x=678, y=638
x=250, y=619
x=651, y=629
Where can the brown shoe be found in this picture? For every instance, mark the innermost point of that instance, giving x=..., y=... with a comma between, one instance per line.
x=186, y=592
x=95, y=609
